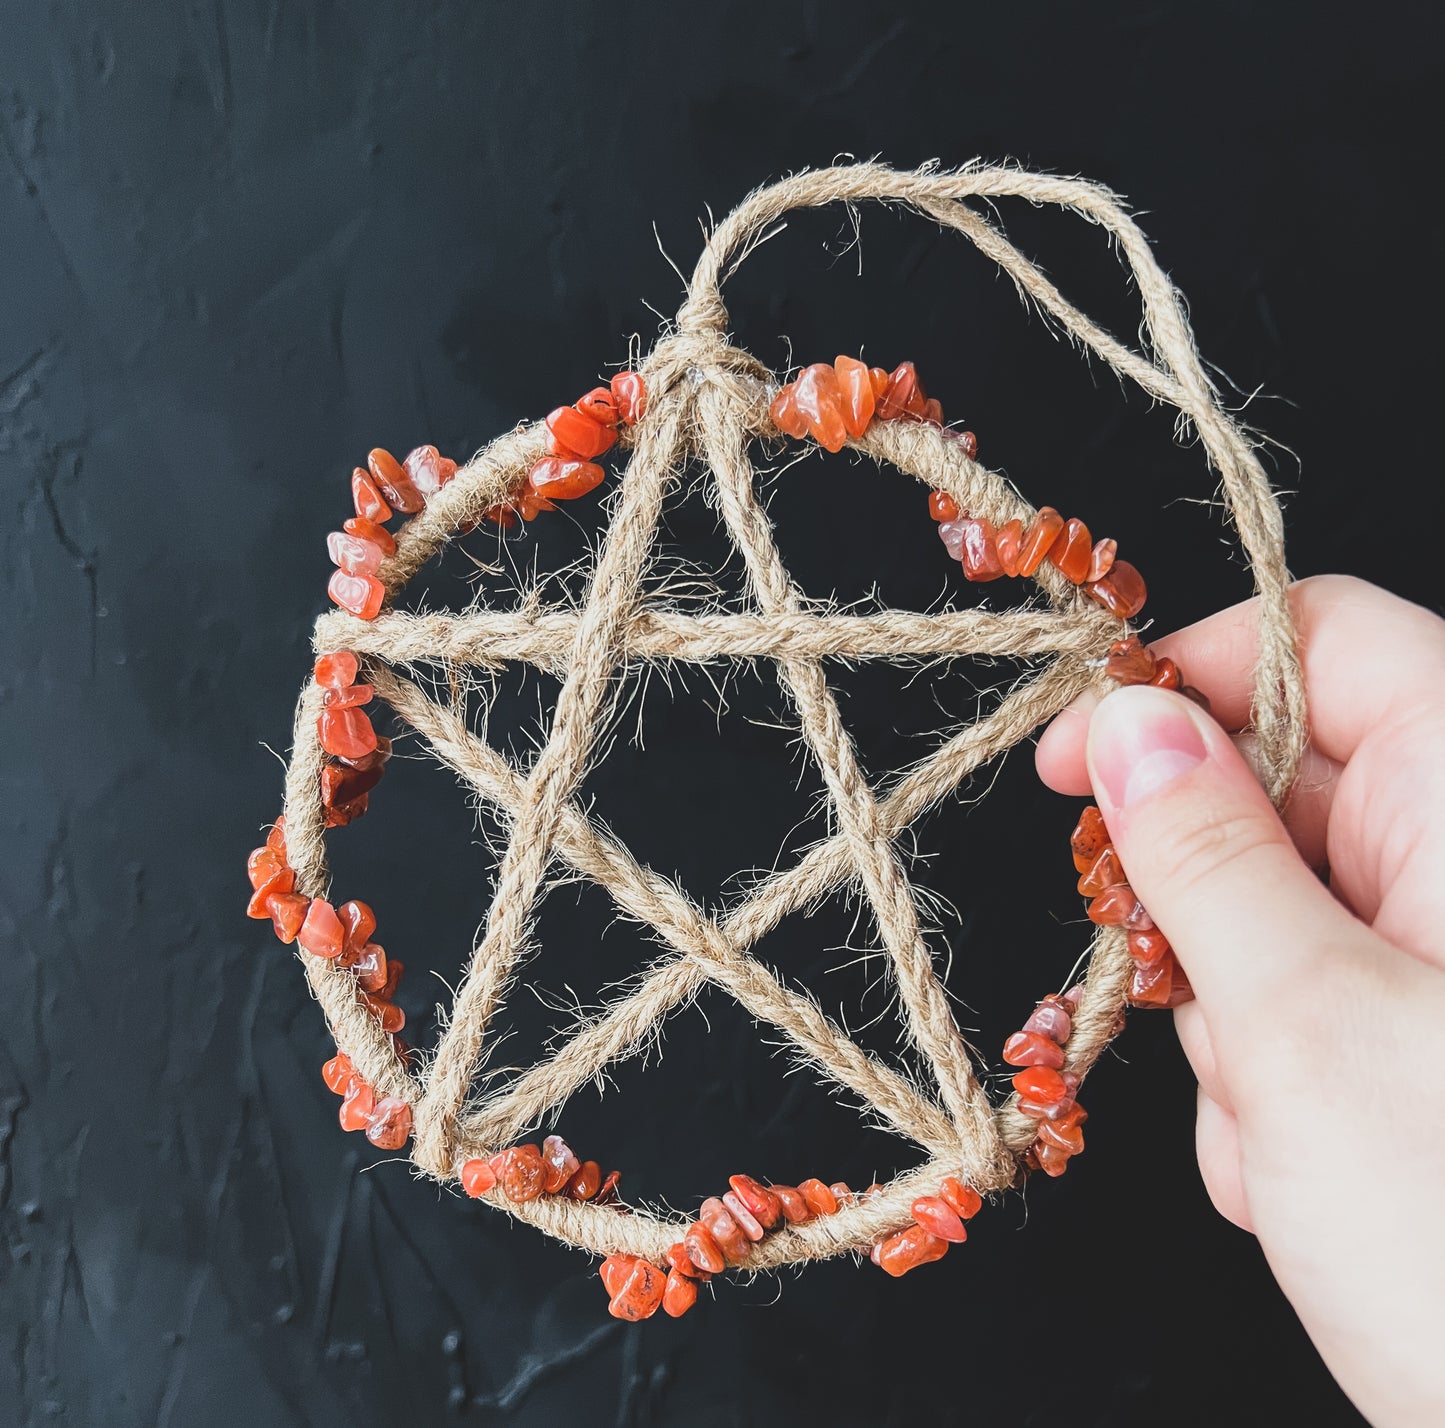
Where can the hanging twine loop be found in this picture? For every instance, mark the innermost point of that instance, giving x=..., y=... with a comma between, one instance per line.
x=709, y=400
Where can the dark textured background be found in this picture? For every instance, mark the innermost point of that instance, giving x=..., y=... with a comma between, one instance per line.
x=241, y=243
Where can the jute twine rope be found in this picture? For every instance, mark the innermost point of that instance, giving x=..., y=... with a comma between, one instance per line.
x=709, y=400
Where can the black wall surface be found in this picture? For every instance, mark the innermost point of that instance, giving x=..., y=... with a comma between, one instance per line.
x=241, y=244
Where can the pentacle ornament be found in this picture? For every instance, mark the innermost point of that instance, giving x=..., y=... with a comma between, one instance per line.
x=696, y=397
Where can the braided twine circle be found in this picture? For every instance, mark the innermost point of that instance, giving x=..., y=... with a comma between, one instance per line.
x=708, y=400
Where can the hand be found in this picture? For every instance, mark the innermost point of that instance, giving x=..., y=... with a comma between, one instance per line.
x=1318, y=1033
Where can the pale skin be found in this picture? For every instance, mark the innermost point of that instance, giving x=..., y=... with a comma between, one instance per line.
x=1318, y=1033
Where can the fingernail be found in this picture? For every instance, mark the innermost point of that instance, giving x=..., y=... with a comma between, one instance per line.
x=1140, y=741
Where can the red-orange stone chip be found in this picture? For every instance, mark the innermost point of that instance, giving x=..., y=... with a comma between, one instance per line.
x=785, y=414
x=763, y=1204
x=321, y=933
x=857, y=389
x=819, y=399
x=795, y=1207
x=1009, y=544
x=746, y=1221
x=1073, y=550
x=607, y=1192
x=1041, y=1084
x=353, y=554
x=586, y=1182
x=557, y=479
x=1039, y=538
x=1148, y=946
x=1129, y=661
x=942, y=506
x=1166, y=674
x=559, y=1164
x=359, y=595
x=352, y=697
x=904, y=394
x=337, y=1073
x=1121, y=592
x=368, y=500
x=1089, y=838
x=703, y=1250
x=389, y=1126
x=1119, y=906
x=346, y=733
x=1104, y=873
x=630, y=395
x=908, y=1249
x=288, y=912
x=820, y=1199
x=638, y=1292
x=963, y=1199
x=717, y=1220
x=980, y=554
x=599, y=405
x=521, y=1173
x=1101, y=559
x=395, y=482
x=1028, y=1048
x=357, y=1106
x=369, y=530
x=337, y=670
x=477, y=1178
x=938, y=1217
x=429, y=470
x=679, y=1296
x=613, y=1271
x=574, y=435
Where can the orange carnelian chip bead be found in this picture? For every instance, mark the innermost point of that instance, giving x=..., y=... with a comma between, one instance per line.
x=554, y=478
x=1129, y=661
x=820, y=1199
x=703, y=1250
x=369, y=530
x=1072, y=551
x=559, y=1164
x=964, y=1200
x=1041, y=1084
x=1101, y=559
x=764, y=1206
x=394, y=480
x=841, y=1193
x=938, y=1217
x=477, y=1178
x=353, y=554
x=819, y=400
x=630, y=395
x=1030, y=1048
x=1065, y=1133
x=279, y=884
x=909, y=1248
x=932, y=412
x=942, y=506
x=1121, y=592
x=585, y=1183
x=967, y=440
x=878, y=380
x=1049, y=1158
x=359, y=922
x=613, y=1271
x=1039, y=538
x=1106, y=871
x=744, y=1218
x=598, y=405
x=795, y=1207
x=678, y=1260
x=785, y=414
x=359, y=595
x=1008, y=543
x=369, y=502
x=356, y=1106
x=337, y=670
x=389, y=1125
x=429, y=470
x=1152, y=982
x=679, y=1295
x=1166, y=674
x=1119, y=906
x=288, y=912
x=347, y=733
x=1147, y=947
x=370, y=967
x=1053, y=1017
x=715, y=1217
x=574, y=435
x=390, y=1018
x=1089, y=838
x=980, y=553
x=904, y=394
x=521, y=1173
x=857, y=390
x=352, y=697
x=321, y=932
x=638, y=1291
x=337, y=1073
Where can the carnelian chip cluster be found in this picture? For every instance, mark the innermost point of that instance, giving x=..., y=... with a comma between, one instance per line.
x=834, y=404
x=938, y=1221
x=1045, y=1090
x=345, y=732
x=527, y=1172
x=341, y=935
x=576, y=436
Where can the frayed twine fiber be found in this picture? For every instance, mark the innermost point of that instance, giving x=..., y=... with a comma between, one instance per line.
x=709, y=400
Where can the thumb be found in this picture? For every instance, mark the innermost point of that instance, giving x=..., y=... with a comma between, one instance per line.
x=1205, y=851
